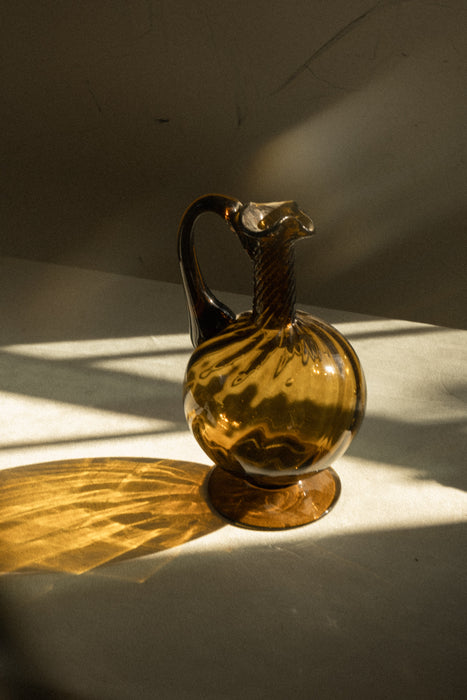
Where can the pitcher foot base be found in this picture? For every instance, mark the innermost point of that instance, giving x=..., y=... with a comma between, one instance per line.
x=273, y=509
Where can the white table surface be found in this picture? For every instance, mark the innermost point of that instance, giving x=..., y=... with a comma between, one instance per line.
x=369, y=601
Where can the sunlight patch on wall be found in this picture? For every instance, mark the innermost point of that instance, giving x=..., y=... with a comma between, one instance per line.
x=374, y=166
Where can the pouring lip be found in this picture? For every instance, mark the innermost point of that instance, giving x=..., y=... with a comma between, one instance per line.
x=259, y=220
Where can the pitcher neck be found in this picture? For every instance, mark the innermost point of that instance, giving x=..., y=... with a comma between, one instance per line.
x=274, y=283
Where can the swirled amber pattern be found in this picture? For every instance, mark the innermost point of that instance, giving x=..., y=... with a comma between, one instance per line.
x=273, y=404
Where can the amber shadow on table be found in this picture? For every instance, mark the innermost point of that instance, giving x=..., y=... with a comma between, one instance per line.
x=76, y=515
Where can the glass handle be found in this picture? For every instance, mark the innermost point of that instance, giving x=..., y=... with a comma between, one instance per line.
x=208, y=316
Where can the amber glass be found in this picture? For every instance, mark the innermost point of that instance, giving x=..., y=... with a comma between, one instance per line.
x=274, y=395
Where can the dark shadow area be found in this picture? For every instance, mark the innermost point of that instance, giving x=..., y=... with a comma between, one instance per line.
x=20, y=677
x=433, y=450
x=388, y=332
x=53, y=303
x=375, y=614
x=430, y=287
x=80, y=382
x=87, y=438
x=76, y=515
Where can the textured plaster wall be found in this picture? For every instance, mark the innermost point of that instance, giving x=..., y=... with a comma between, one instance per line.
x=116, y=114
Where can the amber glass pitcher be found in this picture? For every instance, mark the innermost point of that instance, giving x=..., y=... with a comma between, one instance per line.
x=273, y=395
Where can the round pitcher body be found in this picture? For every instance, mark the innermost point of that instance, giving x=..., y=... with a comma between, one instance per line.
x=273, y=404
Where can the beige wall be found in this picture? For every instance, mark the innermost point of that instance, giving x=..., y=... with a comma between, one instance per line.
x=116, y=114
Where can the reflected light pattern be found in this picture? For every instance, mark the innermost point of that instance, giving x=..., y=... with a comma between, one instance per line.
x=75, y=515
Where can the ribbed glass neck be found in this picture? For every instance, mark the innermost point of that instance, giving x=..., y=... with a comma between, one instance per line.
x=274, y=283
